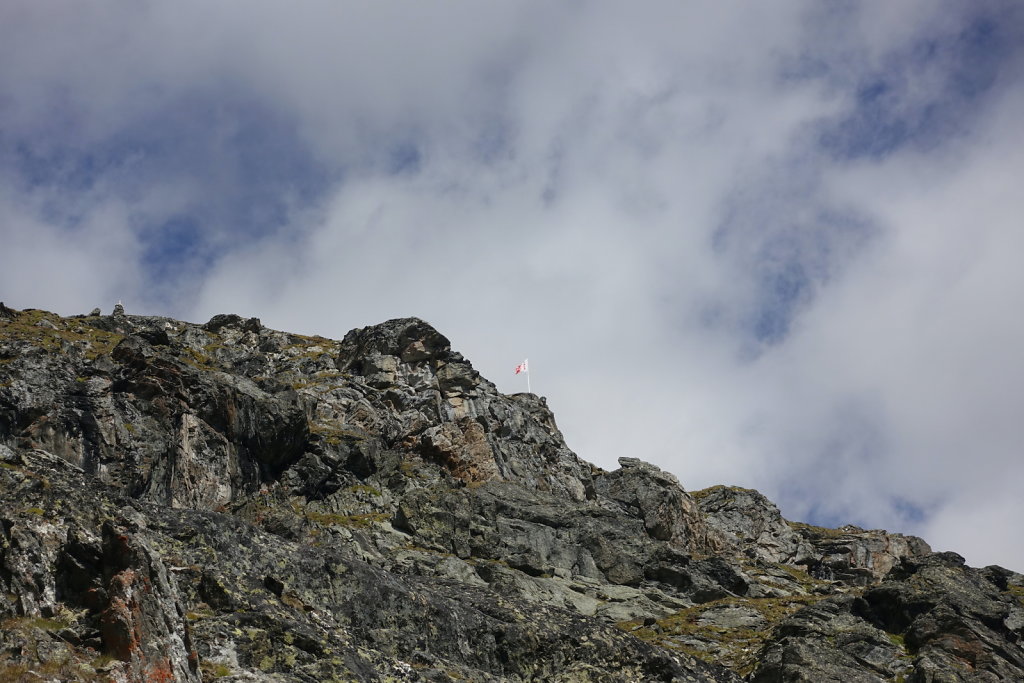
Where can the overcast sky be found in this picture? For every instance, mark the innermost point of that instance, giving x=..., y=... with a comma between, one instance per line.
x=767, y=244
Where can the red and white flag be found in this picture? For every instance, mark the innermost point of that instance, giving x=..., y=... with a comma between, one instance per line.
x=523, y=367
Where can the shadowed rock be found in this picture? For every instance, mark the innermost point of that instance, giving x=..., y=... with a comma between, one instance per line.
x=226, y=501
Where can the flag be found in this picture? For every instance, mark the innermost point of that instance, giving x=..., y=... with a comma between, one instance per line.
x=522, y=367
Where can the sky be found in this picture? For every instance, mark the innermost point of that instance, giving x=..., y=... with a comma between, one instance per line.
x=773, y=245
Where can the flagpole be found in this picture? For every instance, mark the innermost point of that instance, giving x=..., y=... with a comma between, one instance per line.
x=524, y=368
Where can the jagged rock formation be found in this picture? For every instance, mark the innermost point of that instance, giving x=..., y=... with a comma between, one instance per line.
x=228, y=502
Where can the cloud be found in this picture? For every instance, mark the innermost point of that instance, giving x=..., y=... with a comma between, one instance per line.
x=42, y=265
x=766, y=245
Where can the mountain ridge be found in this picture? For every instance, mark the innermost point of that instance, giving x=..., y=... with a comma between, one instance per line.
x=228, y=502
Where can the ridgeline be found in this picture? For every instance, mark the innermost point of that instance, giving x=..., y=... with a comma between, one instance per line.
x=183, y=502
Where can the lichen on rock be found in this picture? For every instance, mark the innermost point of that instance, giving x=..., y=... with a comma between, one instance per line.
x=189, y=502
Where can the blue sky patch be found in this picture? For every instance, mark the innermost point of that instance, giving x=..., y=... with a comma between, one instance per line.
x=782, y=253
x=177, y=241
x=233, y=167
x=404, y=157
x=958, y=69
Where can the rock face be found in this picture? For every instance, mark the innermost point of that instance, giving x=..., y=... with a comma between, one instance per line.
x=185, y=502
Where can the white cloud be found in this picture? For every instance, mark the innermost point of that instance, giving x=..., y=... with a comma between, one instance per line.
x=619, y=193
x=43, y=265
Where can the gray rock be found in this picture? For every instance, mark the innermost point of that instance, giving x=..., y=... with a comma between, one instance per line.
x=234, y=502
x=932, y=619
x=748, y=520
x=731, y=616
x=751, y=523
x=668, y=512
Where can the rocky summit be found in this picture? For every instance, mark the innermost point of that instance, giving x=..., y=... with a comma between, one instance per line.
x=184, y=502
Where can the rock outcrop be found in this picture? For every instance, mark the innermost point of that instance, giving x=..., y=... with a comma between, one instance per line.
x=186, y=502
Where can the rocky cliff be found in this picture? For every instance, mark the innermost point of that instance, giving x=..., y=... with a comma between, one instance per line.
x=184, y=502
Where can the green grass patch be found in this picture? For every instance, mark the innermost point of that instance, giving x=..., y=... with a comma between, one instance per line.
x=363, y=488
x=50, y=332
x=214, y=670
x=735, y=648
x=333, y=435
x=704, y=493
x=805, y=580
x=197, y=359
x=103, y=660
x=1017, y=592
x=199, y=614
x=816, y=531
x=25, y=473
x=897, y=640
x=29, y=623
x=13, y=672
x=307, y=348
x=358, y=521
x=212, y=348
